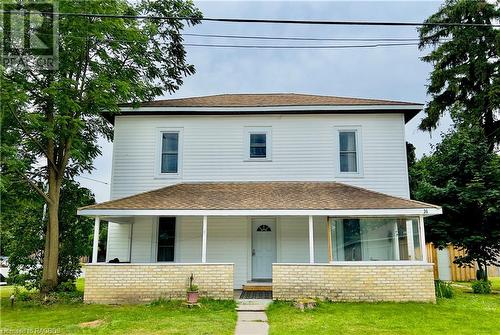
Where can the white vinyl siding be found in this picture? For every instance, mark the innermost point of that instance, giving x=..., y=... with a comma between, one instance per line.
x=303, y=149
x=142, y=239
x=118, y=242
x=293, y=239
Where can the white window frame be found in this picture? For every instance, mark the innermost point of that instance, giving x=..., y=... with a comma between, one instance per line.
x=359, y=151
x=158, y=153
x=258, y=130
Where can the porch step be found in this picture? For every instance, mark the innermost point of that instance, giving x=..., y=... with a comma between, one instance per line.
x=258, y=286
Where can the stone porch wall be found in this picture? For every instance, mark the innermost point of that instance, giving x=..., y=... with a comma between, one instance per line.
x=133, y=283
x=354, y=282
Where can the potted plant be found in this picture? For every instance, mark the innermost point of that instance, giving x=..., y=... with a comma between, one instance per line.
x=192, y=291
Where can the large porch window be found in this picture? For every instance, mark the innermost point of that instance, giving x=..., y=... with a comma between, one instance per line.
x=375, y=239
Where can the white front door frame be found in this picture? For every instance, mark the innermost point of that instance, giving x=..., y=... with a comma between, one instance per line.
x=261, y=271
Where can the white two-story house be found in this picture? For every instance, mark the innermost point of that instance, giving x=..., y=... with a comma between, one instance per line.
x=301, y=195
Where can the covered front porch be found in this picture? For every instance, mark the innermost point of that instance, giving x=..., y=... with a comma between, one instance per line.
x=342, y=254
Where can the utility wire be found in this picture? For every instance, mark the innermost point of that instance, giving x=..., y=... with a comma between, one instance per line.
x=299, y=46
x=274, y=21
x=262, y=46
x=361, y=39
x=96, y=180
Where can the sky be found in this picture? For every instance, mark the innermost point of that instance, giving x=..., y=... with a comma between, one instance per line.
x=394, y=73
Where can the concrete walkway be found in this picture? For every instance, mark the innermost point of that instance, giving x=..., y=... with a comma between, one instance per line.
x=252, y=319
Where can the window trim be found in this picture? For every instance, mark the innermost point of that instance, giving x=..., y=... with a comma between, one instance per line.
x=258, y=130
x=158, y=153
x=359, y=151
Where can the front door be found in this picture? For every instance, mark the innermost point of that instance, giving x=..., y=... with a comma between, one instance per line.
x=263, y=247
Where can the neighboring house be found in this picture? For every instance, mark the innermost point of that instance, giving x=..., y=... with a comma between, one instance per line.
x=305, y=195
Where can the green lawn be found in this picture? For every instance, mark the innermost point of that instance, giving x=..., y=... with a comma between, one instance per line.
x=466, y=313
x=213, y=317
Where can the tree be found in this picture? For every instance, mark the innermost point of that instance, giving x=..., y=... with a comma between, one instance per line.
x=23, y=223
x=463, y=176
x=465, y=80
x=411, y=160
x=58, y=113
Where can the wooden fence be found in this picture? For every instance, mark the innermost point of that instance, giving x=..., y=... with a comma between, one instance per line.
x=457, y=273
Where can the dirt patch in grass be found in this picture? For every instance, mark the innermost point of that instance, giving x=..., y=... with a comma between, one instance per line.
x=91, y=324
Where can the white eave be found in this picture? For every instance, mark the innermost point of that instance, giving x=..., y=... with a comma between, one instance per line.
x=263, y=212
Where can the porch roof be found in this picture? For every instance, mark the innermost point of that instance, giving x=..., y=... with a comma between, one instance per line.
x=259, y=196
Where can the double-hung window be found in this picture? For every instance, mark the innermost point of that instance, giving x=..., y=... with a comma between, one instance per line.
x=258, y=144
x=349, y=152
x=169, y=154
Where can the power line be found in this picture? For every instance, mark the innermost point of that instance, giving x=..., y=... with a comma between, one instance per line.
x=299, y=46
x=96, y=180
x=263, y=46
x=361, y=39
x=273, y=21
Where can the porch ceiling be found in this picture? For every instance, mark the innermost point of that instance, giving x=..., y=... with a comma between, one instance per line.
x=261, y=196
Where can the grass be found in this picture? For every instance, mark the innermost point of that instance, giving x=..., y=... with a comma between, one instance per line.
x=165, y=317
x=466, y=313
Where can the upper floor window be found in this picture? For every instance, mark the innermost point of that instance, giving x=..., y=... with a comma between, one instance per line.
x=348, y=151
x=349, y=157
x=258, y=144
x=169, y=153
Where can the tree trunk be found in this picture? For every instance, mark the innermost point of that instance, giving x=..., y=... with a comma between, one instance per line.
x=51, y=253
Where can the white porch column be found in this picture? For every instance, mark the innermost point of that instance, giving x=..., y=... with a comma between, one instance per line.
x=311, y=239
x=409, y=238
x=395, y=241
x=95, y=246
x=422, y=238
x=204, y=240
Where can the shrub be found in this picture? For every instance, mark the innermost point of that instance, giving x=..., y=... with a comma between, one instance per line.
x=67, y=286
x=443, y=289
x=24, y=296
x=21, y=295
x=481, y=286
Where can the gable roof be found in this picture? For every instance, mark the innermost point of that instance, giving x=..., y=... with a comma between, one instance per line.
x=259, y=196
x=271, y=103
x=267, y=100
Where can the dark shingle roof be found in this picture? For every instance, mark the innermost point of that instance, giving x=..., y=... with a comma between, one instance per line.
x=267, y=100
